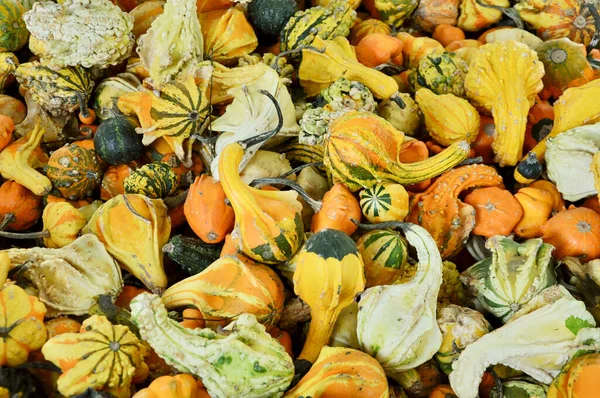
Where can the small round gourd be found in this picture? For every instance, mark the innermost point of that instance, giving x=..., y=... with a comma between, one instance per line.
x=117, y=142
x=14, y=33
x=154, y=180
x=384, y=202
x=385, y=255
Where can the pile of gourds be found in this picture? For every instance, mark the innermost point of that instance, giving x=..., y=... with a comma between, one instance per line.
x=330, y=198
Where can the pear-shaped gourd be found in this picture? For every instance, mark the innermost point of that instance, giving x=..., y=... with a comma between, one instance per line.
x=329, y=274
x=134, y=229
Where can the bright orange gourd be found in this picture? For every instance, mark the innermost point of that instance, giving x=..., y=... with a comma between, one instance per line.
x=20, y=204
x=574, y=232
x=338, y=208
x=497, y=211
x=377, y=49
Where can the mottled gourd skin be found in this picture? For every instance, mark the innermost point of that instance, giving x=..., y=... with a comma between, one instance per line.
x=14, y=33
x=325, y=22
x=443, y=74
x=8, y=65
x=248, y=362
x=154, y=180
x=80, y=32
x=60, y=91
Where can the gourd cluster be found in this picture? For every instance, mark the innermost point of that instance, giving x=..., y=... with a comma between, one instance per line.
x=289, y=198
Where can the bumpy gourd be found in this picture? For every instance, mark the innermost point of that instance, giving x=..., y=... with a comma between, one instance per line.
x=227, y=35
x=514, y=274
x=329, y=273
x=448, y=118
x=443, y=214
x=180, y=110
x=342, y=371
x=173, y=46
x=504, y=80
x=68, y=279
x=247, y=362
x=441, y=73
x=154, y=180
x=403, y=343
x=268, y=224
x=363, y=149
x=134, y=228
x=19, y=161
x=475, y=16
x=392, y=12
x=60, y=91
x=101, y=356
x=228, y=288
x=105, y=39
x=324, y=22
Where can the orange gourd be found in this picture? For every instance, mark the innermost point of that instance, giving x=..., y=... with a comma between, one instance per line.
x=208, y=211
x=414, y=151
x=7, y=126
x=127, y=294
x=19, y=207
x=574, y=232
x=338, y=208
x=592, y=203
x=192, y=319
x=179, y=386
x=77, y=203
x=497, y=211
x=366, y=27
x=62, y=325
x=465, y=43
x=283, y=338
x=558, y=204
x=578, y=379
x=537, y=207
x=447, y=34
x=483, y=142
x=540, y=120
x=377, y=49
x=112, y=181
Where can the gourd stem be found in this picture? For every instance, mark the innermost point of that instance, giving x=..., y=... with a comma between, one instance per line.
x=509, y=12
x=7, y=218
x=380, y=225
x=466, y=162
x=275, y=63
x=204, y=140
x=302, y=166
x=315, y=204
x=265, y=136
x=25, y=235
x=596, y=36
x=174, y=201
x=497, y=381
x=396, y=98
x=393, y=67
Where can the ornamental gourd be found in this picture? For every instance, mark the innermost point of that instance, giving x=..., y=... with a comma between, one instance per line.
x=178, y=386
x=363, y=149
x=112, y=181
x=19, y=160
x=134, y=228
x=384, y=254
x=507, y=92
x=392, y=12
x=154, y=180
x=448, y=118
x=443, y=214
x=8, y=66
x=329, y=273
x=441, y=73
x=75, y=170
x=228, y=288
x=578, y=379
x=19, y=208
x=14, y=33
x=116, y=141
x=497, y=212
x=268, y=224
x=513, y=276
x=574, y=232
x=338, y=208
x=342, y=372
x=366, y=27
x=537, y=208
x=208, y=211
x=475, y=16
x=101, y=356
x=384, y=202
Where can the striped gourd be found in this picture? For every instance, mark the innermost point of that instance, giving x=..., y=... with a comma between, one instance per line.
x=59, y=91
x=384, y=202
x=392, y=12
x=75, y=170
x=8, y=65
x=325, y=22
x=13, y=33
x=106, y=94
x=385, y=255
x=181, y=109
x=154, y=180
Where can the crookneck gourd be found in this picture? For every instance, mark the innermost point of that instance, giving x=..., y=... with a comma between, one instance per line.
x=19, y=160
x=363, y=149
x=514, y=274
x=403, y=343
x=340, y=372
x=102, y=356
x=134, y=228
x=228, y=288
x=329, y=273
x=443, y=214
x=504, y=80
x=268, y=224
x=246, y=362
